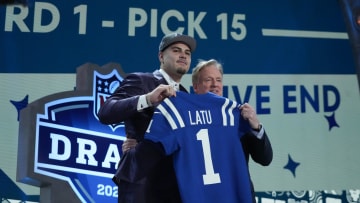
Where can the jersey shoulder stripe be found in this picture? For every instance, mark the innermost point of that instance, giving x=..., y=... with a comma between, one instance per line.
x=172, y=115
x=173, y=111
x=229, y=106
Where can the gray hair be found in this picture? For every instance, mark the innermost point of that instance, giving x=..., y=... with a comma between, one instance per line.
x=202, y=64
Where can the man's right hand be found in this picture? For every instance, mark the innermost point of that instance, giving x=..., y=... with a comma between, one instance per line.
x=128, y=144
x=160, y=93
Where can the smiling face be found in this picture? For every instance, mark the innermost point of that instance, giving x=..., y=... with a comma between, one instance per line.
x=209, y=79
x=175, y=60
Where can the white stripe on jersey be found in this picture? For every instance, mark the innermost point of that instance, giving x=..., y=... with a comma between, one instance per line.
x=231, y=115
x=167, y=116
x=224, y=117
x=176, y=112
x=148, y=128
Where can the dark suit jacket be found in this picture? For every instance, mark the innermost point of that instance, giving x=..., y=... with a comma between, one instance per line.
x=259, y=150
x=121, y=106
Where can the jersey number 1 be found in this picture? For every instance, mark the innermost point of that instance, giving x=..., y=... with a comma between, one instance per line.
x=210, y=177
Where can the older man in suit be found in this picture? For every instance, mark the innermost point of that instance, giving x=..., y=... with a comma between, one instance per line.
x=207, y=76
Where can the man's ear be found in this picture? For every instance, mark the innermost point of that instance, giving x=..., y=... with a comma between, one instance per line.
x=195, y=87
x=161, y=57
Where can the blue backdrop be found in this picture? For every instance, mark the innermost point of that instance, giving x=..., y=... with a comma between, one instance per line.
x=296, y=37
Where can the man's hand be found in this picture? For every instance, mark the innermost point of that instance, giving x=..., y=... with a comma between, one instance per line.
x=128, y=144
x=160, y=93
x=249, y=114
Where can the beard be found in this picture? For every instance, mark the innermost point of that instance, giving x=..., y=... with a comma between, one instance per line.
x=181, y=71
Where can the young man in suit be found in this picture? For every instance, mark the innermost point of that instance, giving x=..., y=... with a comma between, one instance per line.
x=133, y=103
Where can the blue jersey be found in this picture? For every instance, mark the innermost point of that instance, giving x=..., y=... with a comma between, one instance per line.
x=203, y=132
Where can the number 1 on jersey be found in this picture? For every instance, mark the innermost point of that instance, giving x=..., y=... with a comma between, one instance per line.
x=210, y=177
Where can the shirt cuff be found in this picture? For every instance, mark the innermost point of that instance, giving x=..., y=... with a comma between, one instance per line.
x=259, y=134
x=142, y=103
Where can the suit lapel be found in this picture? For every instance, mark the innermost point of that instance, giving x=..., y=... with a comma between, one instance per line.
x=161, y=80
x=182, y=88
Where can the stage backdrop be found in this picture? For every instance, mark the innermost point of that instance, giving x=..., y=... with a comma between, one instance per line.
x=291, y=60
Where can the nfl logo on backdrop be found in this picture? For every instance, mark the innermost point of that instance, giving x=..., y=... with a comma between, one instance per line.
x=71, y=145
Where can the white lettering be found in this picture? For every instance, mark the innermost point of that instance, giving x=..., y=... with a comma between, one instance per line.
x=194, y=24
x=63, y=150
x=137, y=18
x=55, y=14
x=169, y=21
x=55, y=139
x=201, y=117
x=165, y=18
x=11, y=18
x=153, y=24
x=112, y=156
x=88, y=152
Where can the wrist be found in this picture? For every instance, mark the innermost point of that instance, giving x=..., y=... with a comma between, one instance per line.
x=258, y=128
x=148, y=101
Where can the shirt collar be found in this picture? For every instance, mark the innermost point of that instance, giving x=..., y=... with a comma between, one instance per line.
x=169, y=80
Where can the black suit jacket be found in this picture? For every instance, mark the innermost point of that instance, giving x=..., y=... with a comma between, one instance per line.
x=160, y=186
x=259, y=150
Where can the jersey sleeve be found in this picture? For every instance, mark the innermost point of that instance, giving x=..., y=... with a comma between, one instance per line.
x=159, y=130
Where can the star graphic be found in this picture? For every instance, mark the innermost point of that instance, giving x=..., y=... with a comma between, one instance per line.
x=20, y=105
x=291, y=165
x=331, y=120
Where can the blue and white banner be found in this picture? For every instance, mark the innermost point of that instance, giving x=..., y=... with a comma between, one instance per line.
x=291, y=60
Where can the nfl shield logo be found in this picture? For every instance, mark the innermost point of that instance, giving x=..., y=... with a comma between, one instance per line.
x=64, y=144
x=103, y=87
